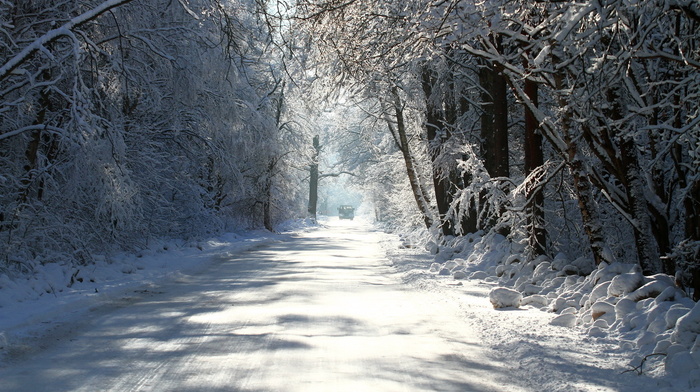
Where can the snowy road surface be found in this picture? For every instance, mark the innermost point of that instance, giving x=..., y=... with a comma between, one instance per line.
x=323, y=312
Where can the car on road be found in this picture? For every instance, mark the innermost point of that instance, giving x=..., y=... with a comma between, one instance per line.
x=346, y=212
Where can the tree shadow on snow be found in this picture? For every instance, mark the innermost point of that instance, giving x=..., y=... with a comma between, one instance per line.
x=204, y=327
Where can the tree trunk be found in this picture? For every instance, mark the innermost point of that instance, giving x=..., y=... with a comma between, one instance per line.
x=267, y=196
x=434, y=124
x=494, y=122
x=38, y=138
x=634, y=184
x=589, y=213
x=690, y=181
x=592, y=225
x=534, y=158
x=691, y=200
x=271, y=166
x=660, y=225
x=470, y=220
x=494, y=130
x=313, y=180
x=414, y=180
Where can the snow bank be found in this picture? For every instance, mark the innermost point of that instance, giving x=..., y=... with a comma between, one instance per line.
x=28, y=303
x=564, y=320
x=687, y=328
x=503, y=297
x=645, y=314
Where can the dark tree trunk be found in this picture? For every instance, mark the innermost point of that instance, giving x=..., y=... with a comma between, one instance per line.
x=634, y=184
x=434, y=128
x=691, y=203
x=630, y=175
x=592, y=225
x=39, y=139
x=587, y=206
x=534, y=158
x=313, y=180
x=692, y=230
x=660, y=225
x=494, y=122
x=470, y=220
x=272, y=166
x=267, y=196
x=494, y=131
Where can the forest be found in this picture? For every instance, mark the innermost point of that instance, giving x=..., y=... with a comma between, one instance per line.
x=550, y=146
x=567, y=127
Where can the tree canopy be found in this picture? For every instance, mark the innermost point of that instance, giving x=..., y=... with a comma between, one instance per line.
x=563, y=126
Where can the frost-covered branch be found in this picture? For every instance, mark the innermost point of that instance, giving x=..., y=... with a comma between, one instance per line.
x=38, y=127
x=50, y=36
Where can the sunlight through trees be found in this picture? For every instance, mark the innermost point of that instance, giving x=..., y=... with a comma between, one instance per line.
x=564, y=126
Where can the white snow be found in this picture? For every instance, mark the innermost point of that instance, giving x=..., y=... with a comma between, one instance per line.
x=535, y=300
x=625, y=283
x=327, y=308
x=502, y=297
x=28, y=305
x=542, y=56
x=564, y=320
x=687, y=328
x=647, y=317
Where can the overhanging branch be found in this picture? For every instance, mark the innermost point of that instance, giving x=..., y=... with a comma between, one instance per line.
x=50, y=36
x=336, y=174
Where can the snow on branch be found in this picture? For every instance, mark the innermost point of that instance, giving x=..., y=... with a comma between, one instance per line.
x=327, y=8
x=338, y=174
x=690, y=7
x=54, y=34
x=39, y=127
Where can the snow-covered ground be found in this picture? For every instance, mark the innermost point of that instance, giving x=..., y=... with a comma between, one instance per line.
x=55, y=293
x=649, y=320
x=343, y=307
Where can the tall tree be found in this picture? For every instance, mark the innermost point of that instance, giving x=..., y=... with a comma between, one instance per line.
x=534, y=160
x=114, y=122
x=313, y=179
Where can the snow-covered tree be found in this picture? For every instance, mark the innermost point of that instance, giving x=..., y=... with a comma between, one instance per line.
x=592, y=101
x=124, y=120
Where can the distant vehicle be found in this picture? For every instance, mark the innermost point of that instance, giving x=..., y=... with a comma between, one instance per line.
x=346, y=212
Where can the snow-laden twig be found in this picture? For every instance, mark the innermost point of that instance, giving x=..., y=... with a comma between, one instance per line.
x=54, y=34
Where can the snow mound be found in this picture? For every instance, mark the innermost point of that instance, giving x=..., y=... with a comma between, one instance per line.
x=564, y=320
x=625, y=283
x=502, y=297
x=444, y=272
x=687, y=330
x=536, y=300
x=644, y=314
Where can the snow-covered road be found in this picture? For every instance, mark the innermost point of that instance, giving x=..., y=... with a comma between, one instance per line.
x=324, y=311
